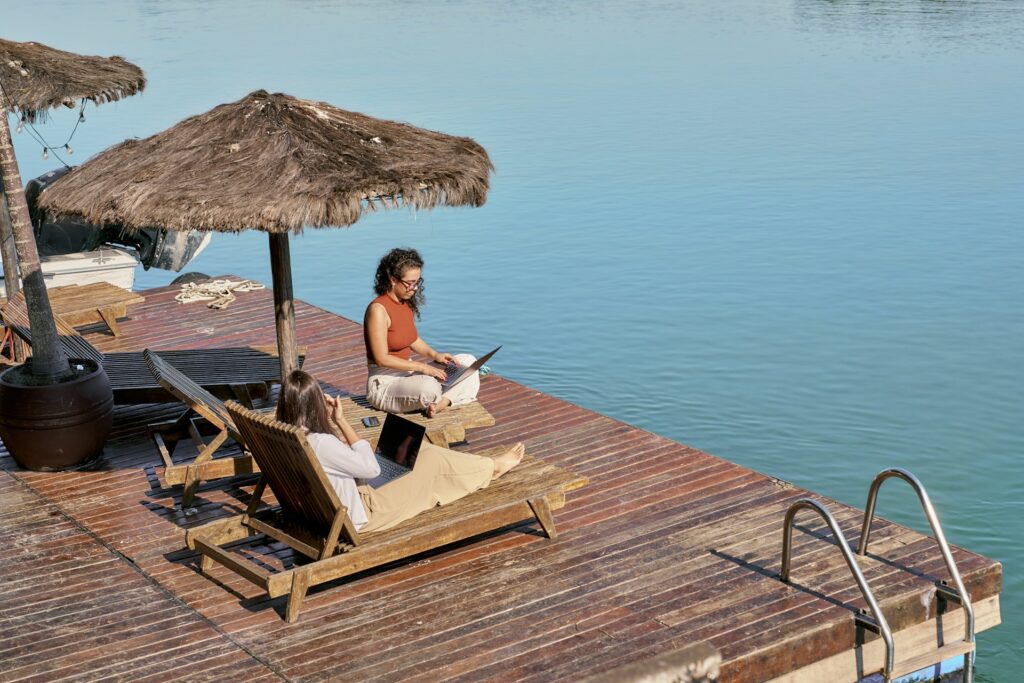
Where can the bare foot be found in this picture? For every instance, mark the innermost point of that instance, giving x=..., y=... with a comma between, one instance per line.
x=507, y=460
x=435, y=408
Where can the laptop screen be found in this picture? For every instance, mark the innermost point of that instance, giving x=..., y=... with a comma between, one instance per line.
x=400, y=440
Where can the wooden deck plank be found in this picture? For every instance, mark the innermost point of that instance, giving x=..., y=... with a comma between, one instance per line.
x=72, y=609
x=576, y=579
x=486, y=637
x=673, y=569
x=666, y=543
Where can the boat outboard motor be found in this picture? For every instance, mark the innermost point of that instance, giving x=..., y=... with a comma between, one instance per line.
x=172, y=249
x=156, y=247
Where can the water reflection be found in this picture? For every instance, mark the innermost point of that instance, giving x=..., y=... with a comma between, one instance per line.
x=927, y=24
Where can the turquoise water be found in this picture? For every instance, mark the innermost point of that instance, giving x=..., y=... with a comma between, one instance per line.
x=787, y=233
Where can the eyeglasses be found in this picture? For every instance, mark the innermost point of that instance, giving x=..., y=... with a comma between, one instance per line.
x=412, y=284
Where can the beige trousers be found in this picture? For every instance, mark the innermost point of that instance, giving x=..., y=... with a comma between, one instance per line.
x=413, y=391
x=440, y=476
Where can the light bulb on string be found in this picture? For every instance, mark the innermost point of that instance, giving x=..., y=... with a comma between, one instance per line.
x=67, y=148
x=20, y=127
x=46, y=154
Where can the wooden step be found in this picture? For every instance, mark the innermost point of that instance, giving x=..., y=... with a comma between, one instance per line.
x=948, y=651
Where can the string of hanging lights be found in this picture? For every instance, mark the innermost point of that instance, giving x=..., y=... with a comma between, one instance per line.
x=47, y=148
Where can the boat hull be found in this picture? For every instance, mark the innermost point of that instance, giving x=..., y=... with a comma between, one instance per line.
x=110, y=264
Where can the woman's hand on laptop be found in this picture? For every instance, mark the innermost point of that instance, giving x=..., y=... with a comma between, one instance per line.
x=444, y=359
x=433, y=371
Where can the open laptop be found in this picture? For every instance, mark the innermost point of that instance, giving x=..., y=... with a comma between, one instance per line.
x=458, y=373
x=397, y=448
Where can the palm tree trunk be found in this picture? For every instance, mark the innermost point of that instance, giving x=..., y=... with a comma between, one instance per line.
x=49, y=362
x=12, y=281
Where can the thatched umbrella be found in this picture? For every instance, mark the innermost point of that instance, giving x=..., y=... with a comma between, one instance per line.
x=278, y=164
x=33, y=79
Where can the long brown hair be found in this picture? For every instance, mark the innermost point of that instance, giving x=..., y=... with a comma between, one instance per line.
x=302, y=403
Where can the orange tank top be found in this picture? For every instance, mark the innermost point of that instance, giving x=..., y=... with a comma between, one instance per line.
x=402, y=331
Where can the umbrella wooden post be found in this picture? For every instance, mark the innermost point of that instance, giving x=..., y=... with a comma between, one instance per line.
x=284, y=304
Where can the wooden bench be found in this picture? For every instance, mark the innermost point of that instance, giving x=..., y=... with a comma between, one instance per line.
x=312, y=521
x=97, y=302
x=448, y=427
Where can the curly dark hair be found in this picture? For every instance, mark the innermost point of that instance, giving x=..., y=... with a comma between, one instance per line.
x=393, y=265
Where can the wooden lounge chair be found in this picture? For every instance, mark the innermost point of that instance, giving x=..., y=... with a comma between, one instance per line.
x=312, y=521
x=242, y=373
x=166, y=435
x=448, y=427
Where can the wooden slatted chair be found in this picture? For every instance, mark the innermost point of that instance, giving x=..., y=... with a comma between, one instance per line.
x=311, y=520
x=166, y=435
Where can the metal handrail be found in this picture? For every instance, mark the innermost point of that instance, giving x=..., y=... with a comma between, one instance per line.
x=876, y=612
x=962, y=595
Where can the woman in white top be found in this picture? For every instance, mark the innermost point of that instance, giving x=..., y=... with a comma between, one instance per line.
x=440, y=476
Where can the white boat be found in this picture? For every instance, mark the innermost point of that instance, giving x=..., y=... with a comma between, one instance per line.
x=75, y=253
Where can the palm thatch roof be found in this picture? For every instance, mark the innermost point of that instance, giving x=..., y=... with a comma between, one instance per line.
x=37, y=78
x=272, y=162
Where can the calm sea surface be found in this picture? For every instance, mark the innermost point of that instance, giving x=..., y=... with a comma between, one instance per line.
x=787, y=232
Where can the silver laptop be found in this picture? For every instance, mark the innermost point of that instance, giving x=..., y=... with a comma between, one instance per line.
x=457, y=373
x=397, y=449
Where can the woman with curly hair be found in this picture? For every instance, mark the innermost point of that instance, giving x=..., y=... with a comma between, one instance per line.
x=397, y=383
x=440, y=476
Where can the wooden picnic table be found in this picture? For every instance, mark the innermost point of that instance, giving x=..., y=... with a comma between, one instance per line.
x=97, y=302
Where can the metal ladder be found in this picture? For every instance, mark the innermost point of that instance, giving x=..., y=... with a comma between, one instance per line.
x=874, y=621
x=956, y=594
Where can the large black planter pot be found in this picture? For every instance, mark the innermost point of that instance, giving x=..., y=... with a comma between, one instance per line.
x=55, y=426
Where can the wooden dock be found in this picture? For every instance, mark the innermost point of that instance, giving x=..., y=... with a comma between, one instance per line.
x=665, y=548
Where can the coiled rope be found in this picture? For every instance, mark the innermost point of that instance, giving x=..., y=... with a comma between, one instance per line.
x=219, y=293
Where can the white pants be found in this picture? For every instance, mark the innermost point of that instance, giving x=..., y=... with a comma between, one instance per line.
x=414, y=391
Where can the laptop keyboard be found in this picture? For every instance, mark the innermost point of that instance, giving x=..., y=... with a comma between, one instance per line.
x=389, y=469
x=453, y=371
